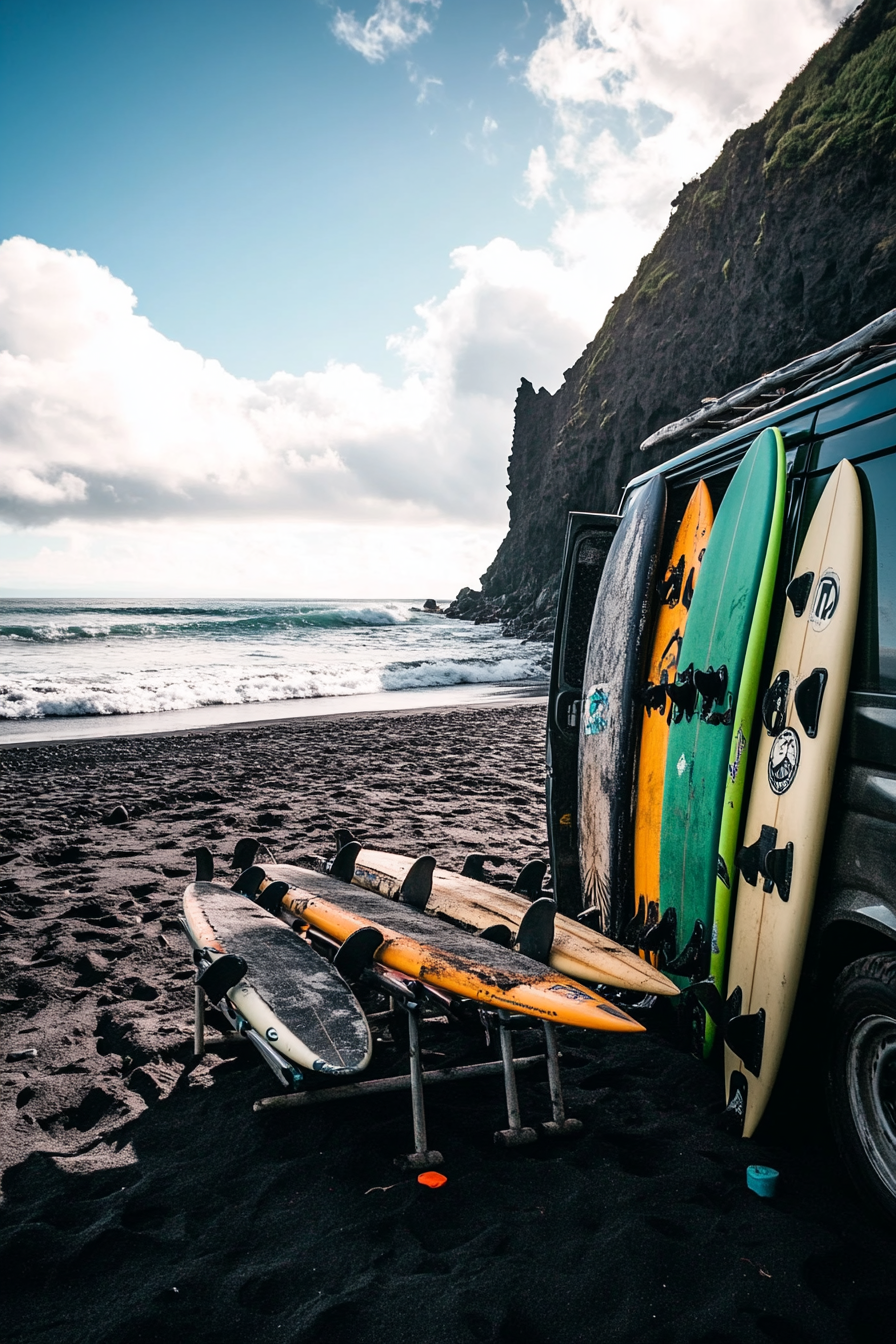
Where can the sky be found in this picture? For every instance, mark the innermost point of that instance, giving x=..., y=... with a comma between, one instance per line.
x=272, y=271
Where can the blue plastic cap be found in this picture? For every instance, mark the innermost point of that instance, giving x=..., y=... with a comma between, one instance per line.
x=762, y=1180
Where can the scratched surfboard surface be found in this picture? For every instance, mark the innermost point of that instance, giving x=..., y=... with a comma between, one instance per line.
x=611, y=708
x=675, y=595
x=727, y=621
x=802, y=714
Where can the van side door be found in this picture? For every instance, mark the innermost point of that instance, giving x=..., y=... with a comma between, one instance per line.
x=588, y=539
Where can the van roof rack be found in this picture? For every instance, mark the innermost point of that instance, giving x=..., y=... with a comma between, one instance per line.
x=716, y=415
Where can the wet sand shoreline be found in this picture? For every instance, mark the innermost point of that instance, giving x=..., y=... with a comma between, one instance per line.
x=145, y=1201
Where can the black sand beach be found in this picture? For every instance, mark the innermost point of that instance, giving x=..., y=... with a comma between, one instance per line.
x=144, y=1200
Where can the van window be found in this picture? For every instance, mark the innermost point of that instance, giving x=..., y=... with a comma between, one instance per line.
x=859, y=405
x=591, y=555
x=859, y=441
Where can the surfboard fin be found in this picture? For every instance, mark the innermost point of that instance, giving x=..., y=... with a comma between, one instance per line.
x=751, y=859
x=736, y=1110
x=774, y=704
x=270, y=898
x=343, y=866
x=669, y=588
x=662, y=936
x=632, y=931
x=693, y=957
x=653, y=697
x=474, y=866
x=222, y=975
x=530, y=879
x=712, y=685
x=205, y=865
x=745, y=1035
x=497, y=933
x=535, y=935
x=779, y=870
x=808, y=697
x=343, y=837
x=707, y=994
x=249, y=881
x=683, y=694
x=356, y=953
x=244, y=852
x=687, y=596
x=798, y=591
x=416, y=888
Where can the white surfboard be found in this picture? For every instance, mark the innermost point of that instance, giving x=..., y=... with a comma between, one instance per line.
x=802, y=714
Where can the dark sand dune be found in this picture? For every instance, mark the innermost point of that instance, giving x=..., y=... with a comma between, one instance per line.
x=145, y=1201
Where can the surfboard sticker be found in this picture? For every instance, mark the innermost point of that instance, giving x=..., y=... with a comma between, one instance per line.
x=783, y=761
x=826, y=600
x=740, y=746
x=597, y=711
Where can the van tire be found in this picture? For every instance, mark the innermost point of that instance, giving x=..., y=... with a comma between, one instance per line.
x=861, y=1077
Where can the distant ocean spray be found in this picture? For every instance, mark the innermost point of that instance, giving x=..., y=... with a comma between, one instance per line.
x=61, y=658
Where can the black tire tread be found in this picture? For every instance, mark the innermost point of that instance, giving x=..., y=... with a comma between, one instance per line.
x=874, y=972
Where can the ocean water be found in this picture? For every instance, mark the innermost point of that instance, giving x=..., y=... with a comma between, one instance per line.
x=63, y=659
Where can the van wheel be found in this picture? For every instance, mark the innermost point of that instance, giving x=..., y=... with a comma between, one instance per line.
x=862, y=1077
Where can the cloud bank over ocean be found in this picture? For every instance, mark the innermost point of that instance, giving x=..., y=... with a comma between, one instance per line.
x=116, y=439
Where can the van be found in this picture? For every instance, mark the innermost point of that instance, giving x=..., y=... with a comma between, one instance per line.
x=849, y=973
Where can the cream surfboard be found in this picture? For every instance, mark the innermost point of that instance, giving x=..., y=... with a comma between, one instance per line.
x=802, y=714
x=576, y=950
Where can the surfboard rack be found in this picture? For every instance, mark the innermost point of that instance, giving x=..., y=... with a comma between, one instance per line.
x=408, y=997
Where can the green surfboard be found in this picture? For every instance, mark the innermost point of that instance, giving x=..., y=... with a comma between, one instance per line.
x=709, y=736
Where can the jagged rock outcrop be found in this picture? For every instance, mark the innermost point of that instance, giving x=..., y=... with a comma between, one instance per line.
x=785, y=245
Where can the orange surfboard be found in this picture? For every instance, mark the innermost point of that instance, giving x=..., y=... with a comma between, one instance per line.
x=447, y=958
x=676, y=591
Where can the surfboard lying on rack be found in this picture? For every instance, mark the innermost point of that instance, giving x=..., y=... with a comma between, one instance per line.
x=292, y=1001
x=576, y=950
x=437, y=953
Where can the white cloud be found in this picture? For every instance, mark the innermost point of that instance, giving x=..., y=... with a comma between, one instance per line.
x=644, y=96
x=539, y=177
x=424, y=84
x=112, y=435
x=102, y=417
x=393, y=25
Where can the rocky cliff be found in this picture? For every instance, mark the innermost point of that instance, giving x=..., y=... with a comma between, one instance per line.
x=785, y=245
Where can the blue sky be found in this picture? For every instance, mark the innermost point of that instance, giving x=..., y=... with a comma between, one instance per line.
x=270, y=273
x=275, y=200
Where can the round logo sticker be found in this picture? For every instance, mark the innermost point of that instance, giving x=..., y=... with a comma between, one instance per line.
x=824, y=603
x=784, y=761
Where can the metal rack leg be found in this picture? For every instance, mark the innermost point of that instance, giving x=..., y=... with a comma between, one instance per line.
x=198, y=1022
x=559, y=1125
x=516, y=1133
x=421, y=1156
